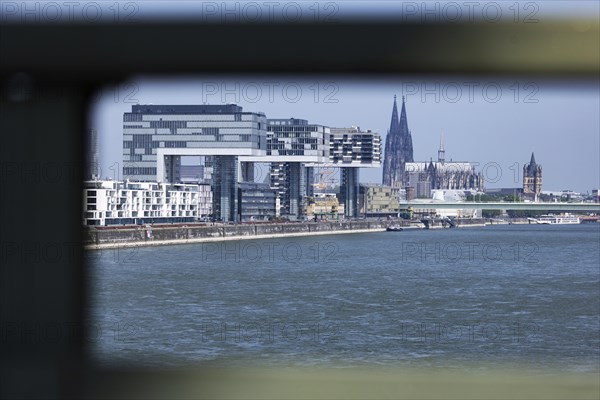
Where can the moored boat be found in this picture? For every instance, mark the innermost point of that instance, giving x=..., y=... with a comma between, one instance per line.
x=551, y=219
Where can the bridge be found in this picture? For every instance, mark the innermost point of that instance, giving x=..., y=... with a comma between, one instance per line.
x=470, y=205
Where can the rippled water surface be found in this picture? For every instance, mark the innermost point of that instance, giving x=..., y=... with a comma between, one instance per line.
x=521, y=294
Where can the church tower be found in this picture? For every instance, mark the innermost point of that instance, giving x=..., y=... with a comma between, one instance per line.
x=441, y=151
x=398, y=148
x=532, y=178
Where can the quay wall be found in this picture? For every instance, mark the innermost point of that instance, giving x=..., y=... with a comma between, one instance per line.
x=151, y=235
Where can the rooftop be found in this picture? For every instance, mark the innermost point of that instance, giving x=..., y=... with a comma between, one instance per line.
x=187, y=109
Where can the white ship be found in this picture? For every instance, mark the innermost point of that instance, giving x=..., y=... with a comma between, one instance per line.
x=555, y=219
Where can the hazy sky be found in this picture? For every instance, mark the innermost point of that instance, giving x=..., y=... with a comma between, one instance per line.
x=496, y=123
x=450, y=11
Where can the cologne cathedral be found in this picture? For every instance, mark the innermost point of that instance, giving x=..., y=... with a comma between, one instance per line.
x=399, y=169
x=398, y=149
x=441, y=174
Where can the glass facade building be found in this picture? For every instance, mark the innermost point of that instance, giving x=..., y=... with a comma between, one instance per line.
x=92, y=170
x=225, y=195
x=156, y=137
x=179, y=129
x=297, y=147
x=350, y=148
x=353, y=147
x=296, y=137
x=293, y=146
x=257, y=201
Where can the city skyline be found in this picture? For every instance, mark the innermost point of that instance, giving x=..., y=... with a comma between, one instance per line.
x=559, y=122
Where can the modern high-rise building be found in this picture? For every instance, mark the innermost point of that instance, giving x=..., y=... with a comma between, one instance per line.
x=354, y=147
x=532, y=178
x=92, y=169
x=398, y=148
x=257, y=201
x=350, y=149
x=152, y=132
x=155, y=137
x=292, y=182
x=294, y=146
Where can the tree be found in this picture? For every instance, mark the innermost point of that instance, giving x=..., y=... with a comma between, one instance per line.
x=483, y=198
x=490, y=213
x=524, y=213
x=512, y=198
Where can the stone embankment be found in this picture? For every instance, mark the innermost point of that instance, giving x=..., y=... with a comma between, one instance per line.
x=133, y=236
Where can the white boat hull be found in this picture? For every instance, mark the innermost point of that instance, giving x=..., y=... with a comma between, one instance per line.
x=555, y=220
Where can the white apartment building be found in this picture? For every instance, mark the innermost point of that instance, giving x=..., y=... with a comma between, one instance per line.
x=120, y=203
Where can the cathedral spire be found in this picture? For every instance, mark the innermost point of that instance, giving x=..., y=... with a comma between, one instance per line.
x=532, y=162
x=394, y=122
x=441, y=151
x=398, y=148
x=403, y=119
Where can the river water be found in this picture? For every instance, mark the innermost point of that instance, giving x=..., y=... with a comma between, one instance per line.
x=512, y=295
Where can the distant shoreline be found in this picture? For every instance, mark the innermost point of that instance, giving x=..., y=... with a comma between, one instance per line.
x=163, y=236
x=222, y=239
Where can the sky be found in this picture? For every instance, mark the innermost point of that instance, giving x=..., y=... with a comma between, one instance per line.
x=227, y=11
x=496, y=123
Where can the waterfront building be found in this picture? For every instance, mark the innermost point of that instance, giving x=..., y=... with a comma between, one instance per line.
x=379, y=200
x=398, y=148
x=92, y=170
x=324, y=206
x=532, y=179
x=155, y=137
x=296, y=137
x=293, y=147
x=442, y=175
x=353, y=147
x=257, y=201
x=350, y=149
x=118, y=202
x=291, y=181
